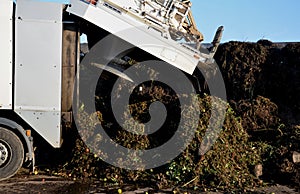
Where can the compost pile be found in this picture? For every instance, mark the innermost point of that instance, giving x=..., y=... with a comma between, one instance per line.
x=262, y=126
x=263, y=85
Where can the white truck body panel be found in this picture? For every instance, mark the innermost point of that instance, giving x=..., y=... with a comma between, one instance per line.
x=137, y=33
x=6, y=54
x=38, y=67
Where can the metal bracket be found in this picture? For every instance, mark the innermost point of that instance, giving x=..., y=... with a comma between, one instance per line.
x=217, y=40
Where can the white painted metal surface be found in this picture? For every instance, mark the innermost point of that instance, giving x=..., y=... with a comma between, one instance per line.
x=6, y=42
x=38, y=67
x=136, y=32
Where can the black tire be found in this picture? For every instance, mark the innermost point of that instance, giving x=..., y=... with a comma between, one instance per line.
x=11, y=153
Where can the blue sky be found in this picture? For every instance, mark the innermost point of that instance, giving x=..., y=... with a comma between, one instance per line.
x=251, y=20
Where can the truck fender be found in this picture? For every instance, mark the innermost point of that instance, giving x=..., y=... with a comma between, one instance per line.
x=28, y=140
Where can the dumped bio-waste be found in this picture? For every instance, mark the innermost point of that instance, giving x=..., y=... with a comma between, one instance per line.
x=261, y=128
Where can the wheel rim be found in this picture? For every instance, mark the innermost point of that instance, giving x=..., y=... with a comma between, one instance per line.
x=4, y=153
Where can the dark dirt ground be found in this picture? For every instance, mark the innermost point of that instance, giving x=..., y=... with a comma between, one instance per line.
x=38, y=184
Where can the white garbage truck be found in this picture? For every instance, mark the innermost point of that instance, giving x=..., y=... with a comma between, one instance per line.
x=40, y=54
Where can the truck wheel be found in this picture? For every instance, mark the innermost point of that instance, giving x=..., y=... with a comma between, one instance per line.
x=11, y=153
